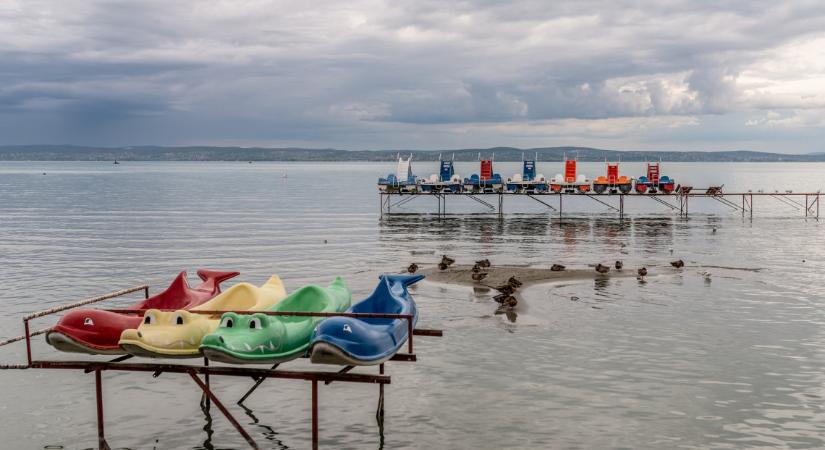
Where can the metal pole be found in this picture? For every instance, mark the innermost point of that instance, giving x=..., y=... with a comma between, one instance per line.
x=315, y=414
x=206, y=377
x=28, y=342
x=743, y=205
x=101, y=437
x=223, y=409
x=806, y=205
x=380, y=413
x=751, y=208
x=409, y=335
x=560, y=196
x=146, y=291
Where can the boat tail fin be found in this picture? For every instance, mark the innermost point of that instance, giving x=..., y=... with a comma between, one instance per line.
x=212, y=279
x=405, y=280
x=276, y=284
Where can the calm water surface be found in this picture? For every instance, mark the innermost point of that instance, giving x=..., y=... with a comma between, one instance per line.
x=676, y=362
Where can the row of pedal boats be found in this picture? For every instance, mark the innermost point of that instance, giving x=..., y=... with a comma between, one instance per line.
x=181, y=322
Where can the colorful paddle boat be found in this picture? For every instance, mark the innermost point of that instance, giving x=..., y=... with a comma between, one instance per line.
x=364, y=342
x=97, y=332
x=403, y=181
x=486, y=181
x=653, y=182
x=612, y=183
x=445, y=180
x=178, y=334
x=527, y=181
x=260, y=338
x=571, y=182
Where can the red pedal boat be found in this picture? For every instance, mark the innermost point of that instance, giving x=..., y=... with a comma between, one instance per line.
x=97, y=332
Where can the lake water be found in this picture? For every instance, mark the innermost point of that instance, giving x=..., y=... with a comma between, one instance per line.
x=676, y=362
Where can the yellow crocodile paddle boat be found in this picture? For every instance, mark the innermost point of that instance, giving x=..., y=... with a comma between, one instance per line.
x=178, y=334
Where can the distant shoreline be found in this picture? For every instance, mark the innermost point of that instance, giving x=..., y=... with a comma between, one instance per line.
x=35, y=153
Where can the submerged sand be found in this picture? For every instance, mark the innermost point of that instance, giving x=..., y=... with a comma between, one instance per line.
x=498, y=275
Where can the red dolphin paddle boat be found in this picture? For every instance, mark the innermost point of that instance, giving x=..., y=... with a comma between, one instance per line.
x=97, y=332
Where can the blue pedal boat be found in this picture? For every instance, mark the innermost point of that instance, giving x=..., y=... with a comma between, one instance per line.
x=353, y=341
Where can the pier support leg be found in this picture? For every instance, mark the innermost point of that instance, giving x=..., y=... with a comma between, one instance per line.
x=314, y=414
x=560, y=206
x=101, y=437
x=621, y=206
x=206, y=379
x=379, y=414
x=751, y=206
x=225, y=411
x=500, y=205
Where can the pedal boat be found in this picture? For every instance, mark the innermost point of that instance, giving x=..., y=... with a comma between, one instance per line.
x=260, y=338
x=97, y=332
x=178, y=334
x=364, y=342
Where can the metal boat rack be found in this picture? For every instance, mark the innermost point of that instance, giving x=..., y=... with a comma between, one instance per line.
x=257, y=374
x=807, y=202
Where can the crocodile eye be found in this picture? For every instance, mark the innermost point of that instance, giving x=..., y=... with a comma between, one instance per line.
x=227, y=322
x=178, y=319
x=255, y=323
x=149, y=319
x=88, y=321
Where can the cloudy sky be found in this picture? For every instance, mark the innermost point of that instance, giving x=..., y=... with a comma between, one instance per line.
x=692, y=74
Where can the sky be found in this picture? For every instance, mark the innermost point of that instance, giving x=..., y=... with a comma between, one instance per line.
x=399, y=74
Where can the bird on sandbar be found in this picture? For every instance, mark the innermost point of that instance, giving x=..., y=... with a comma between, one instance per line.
x=556, y=268
x=505, y=289
x=412, y=268
x=447, y=260
x=513, y=281
x=602, y=268
x=678, y=263
x=483, y=263
x=642, y=272
x=619, y=265
x=479, y=276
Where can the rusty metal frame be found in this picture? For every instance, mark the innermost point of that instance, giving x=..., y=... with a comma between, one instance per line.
x=193, y=371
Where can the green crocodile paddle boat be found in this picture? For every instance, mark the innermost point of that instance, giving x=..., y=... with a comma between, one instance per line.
x=259, y=338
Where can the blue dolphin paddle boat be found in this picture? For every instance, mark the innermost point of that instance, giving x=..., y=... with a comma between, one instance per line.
x=364, y=342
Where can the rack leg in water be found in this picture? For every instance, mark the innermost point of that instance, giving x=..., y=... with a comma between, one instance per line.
x=314, y=414
x=101, y=437
x=223, y=410
x=379, y=414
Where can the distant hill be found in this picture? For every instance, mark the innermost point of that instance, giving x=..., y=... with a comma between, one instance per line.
x=152, y=153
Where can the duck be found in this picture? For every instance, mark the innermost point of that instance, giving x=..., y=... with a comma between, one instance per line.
x=505, y=289
x=678, y=263
x=479, y=276
x=511, y=302
x=500, y=298
x=602, y=268
x=556, y=268
x=483, y=263
x=642, y=271
x=442, y=266
x=705, y=274
x=513, y=281
x=447, y=260
x=412, y=268
x=619, y=265
x=476, y=269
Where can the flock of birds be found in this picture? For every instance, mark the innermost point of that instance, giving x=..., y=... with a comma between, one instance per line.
x=505, y=298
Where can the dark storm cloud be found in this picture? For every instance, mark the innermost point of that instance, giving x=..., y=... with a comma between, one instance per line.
x=380, y=73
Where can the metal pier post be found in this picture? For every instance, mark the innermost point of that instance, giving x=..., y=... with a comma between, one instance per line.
x=314, y=414
x=621, y=206
x=380, y=413
x=101, y=437
x=500, y=204
x=560, y=202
